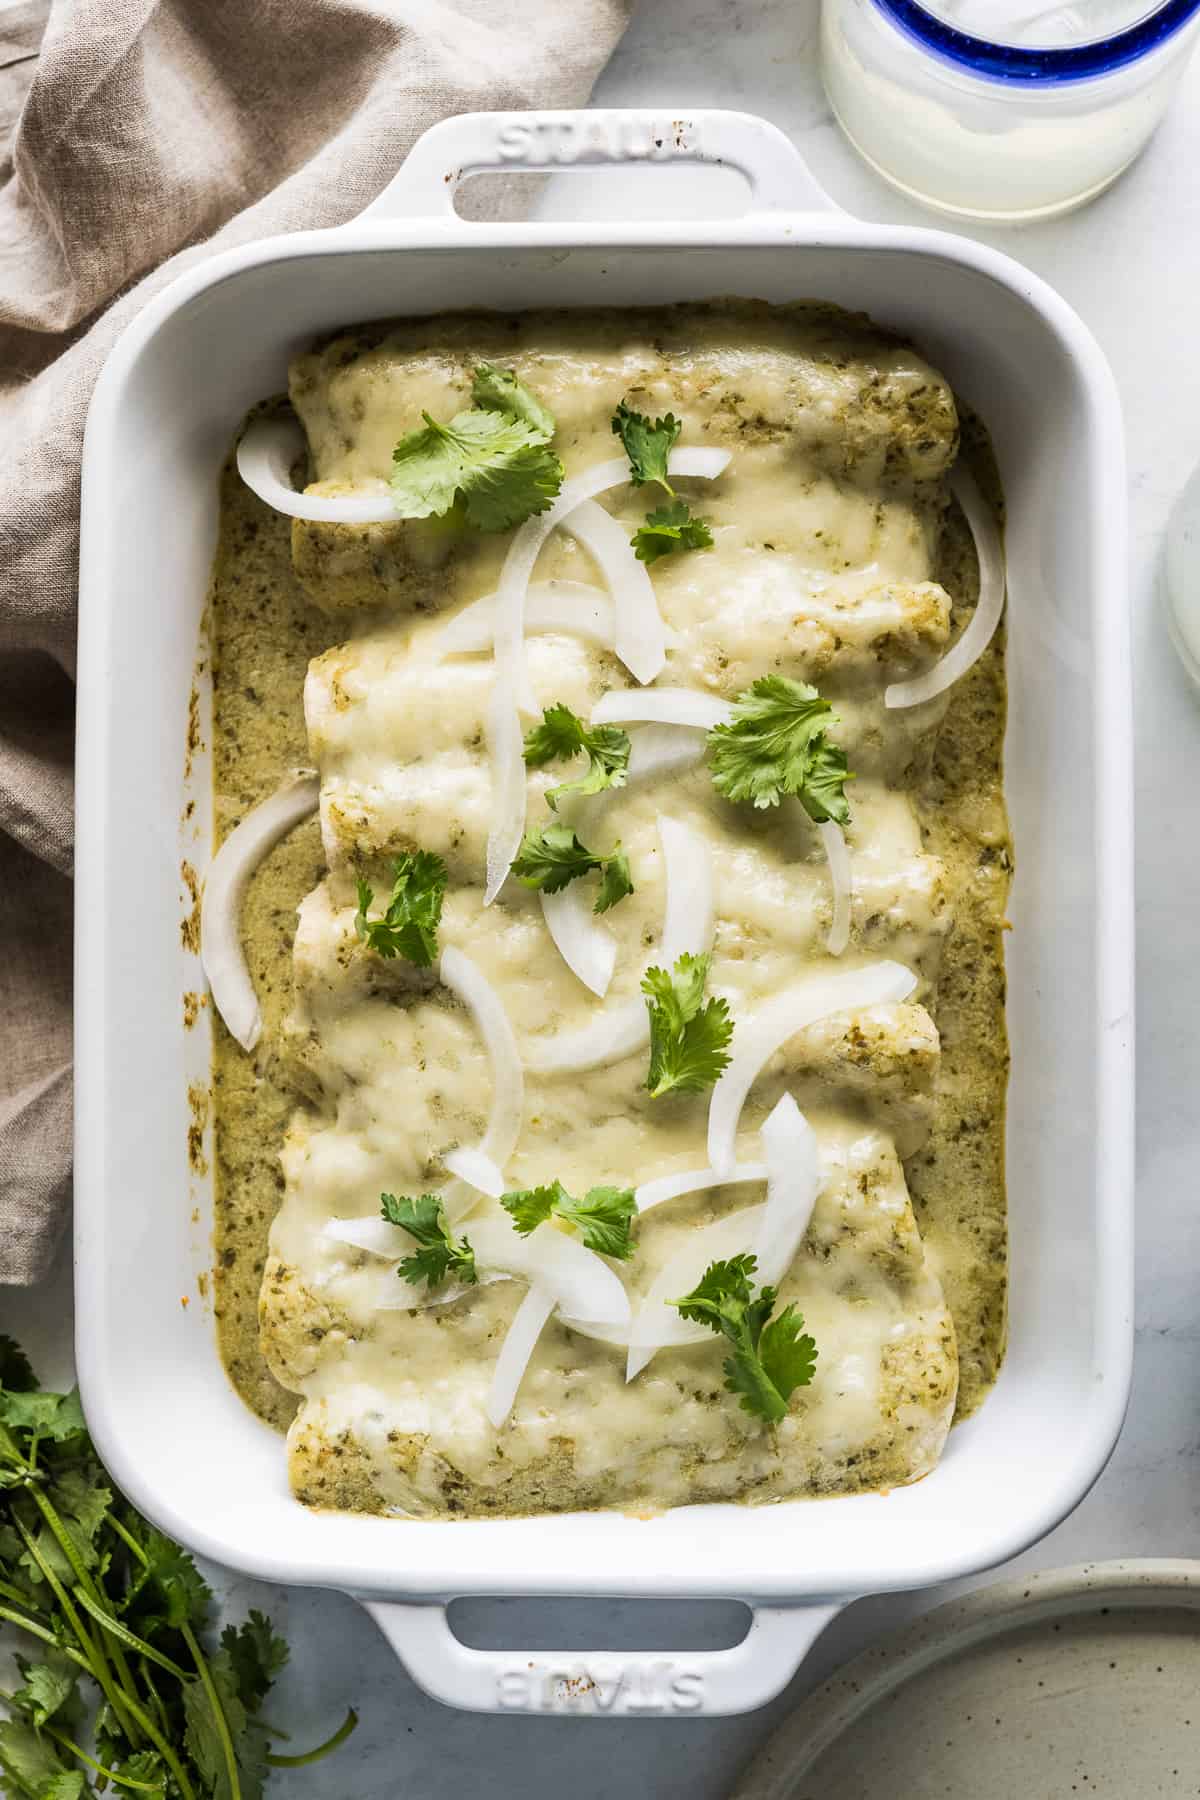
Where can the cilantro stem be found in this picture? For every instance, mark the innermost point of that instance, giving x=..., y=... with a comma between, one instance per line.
x=128, y=1538
x=218, y=1711
x=47, y=1637
x=117, y=1698
x=129, y=1638
x=311, y=1756
x=60, y=1737
x=83, y=1576
x=159, y=1709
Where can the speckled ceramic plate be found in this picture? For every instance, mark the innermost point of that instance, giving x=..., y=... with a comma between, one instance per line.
x=1078, y=1681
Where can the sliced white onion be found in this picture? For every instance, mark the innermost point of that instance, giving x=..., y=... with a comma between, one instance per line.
x=794, y=1180
x=661, y=749
x=841, y=876
x=584, y=1286
x=477, y=1170
x=639, y=635
x=688, y=924
x=573, y=608
x=693, y=1181
x=588, y=948
x=264, y=459
x=376, y=1235
x=981, y=626
x=511, y=683
x=224, y=890
x=520, y=1342
x=488, y=1159
x=756, y=1040
x=661, y=706
x=657, y=1324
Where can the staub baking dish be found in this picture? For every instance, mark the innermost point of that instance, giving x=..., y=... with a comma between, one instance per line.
x=165, y=1419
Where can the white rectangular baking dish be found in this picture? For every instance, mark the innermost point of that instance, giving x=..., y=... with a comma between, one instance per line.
x=171, y=1429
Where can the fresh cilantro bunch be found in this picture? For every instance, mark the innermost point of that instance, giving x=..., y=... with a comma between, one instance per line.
x=440, y=1253
x=492, y=464
x=688, y=1034
x=409, y=926
x=775, y=744
x=124, y=1691
x=551, y=858
x=771, y=1358
x=603, y=1217
x=562, y=734
x=648, y=445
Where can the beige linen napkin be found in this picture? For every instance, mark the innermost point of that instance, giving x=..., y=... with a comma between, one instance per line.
x=146, y=134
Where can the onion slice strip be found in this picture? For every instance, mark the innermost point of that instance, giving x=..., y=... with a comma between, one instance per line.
x=520, y=1342
x=583, y=1284
x=661, y=706
x=688, y=924
x=693, y=1181
x=841, y=876
x=264, y=460
x=224, y=890
x=981, y=626
x=794, y=1180
x=756, y=1040
x=639, y=634
x=511, y=683
x=477, y=1169
x=574, y=608
x=587, y=947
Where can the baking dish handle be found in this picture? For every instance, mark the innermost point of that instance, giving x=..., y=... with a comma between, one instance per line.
x=524, y=142
x=628, y=1684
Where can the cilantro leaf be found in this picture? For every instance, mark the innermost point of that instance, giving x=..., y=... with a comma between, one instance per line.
x=183, y=1595
x=203, y=1734
x=409, y=926
x=770, y=1358
x=648, y=444
x=498, y=390
x=775, y=744
x=551, y=858
x=47, y=1687
x=440, y=1251
x=31, y=1761
x=492, y=462
x=603, y=1217
x=49, y=1417
x=256, y=1656
x=615, y=881
x=670, y=527
x=688, y=1035
x=562, y=734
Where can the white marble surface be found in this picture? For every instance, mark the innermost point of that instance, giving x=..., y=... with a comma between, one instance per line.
x=1131, y=265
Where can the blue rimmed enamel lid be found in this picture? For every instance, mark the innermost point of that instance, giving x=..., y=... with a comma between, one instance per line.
x=1045, y=65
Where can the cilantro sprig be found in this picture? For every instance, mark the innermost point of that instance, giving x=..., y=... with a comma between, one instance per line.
x=409, y=924
x=550, y=858
x=670, y=527
x=771, y=1358
x=603, y=1217
x=776, y=744
x=440, y=1253
x=492, y=464
x=688, y=1034
x=562, y=735
x=648, y=444
x=125, y=1691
